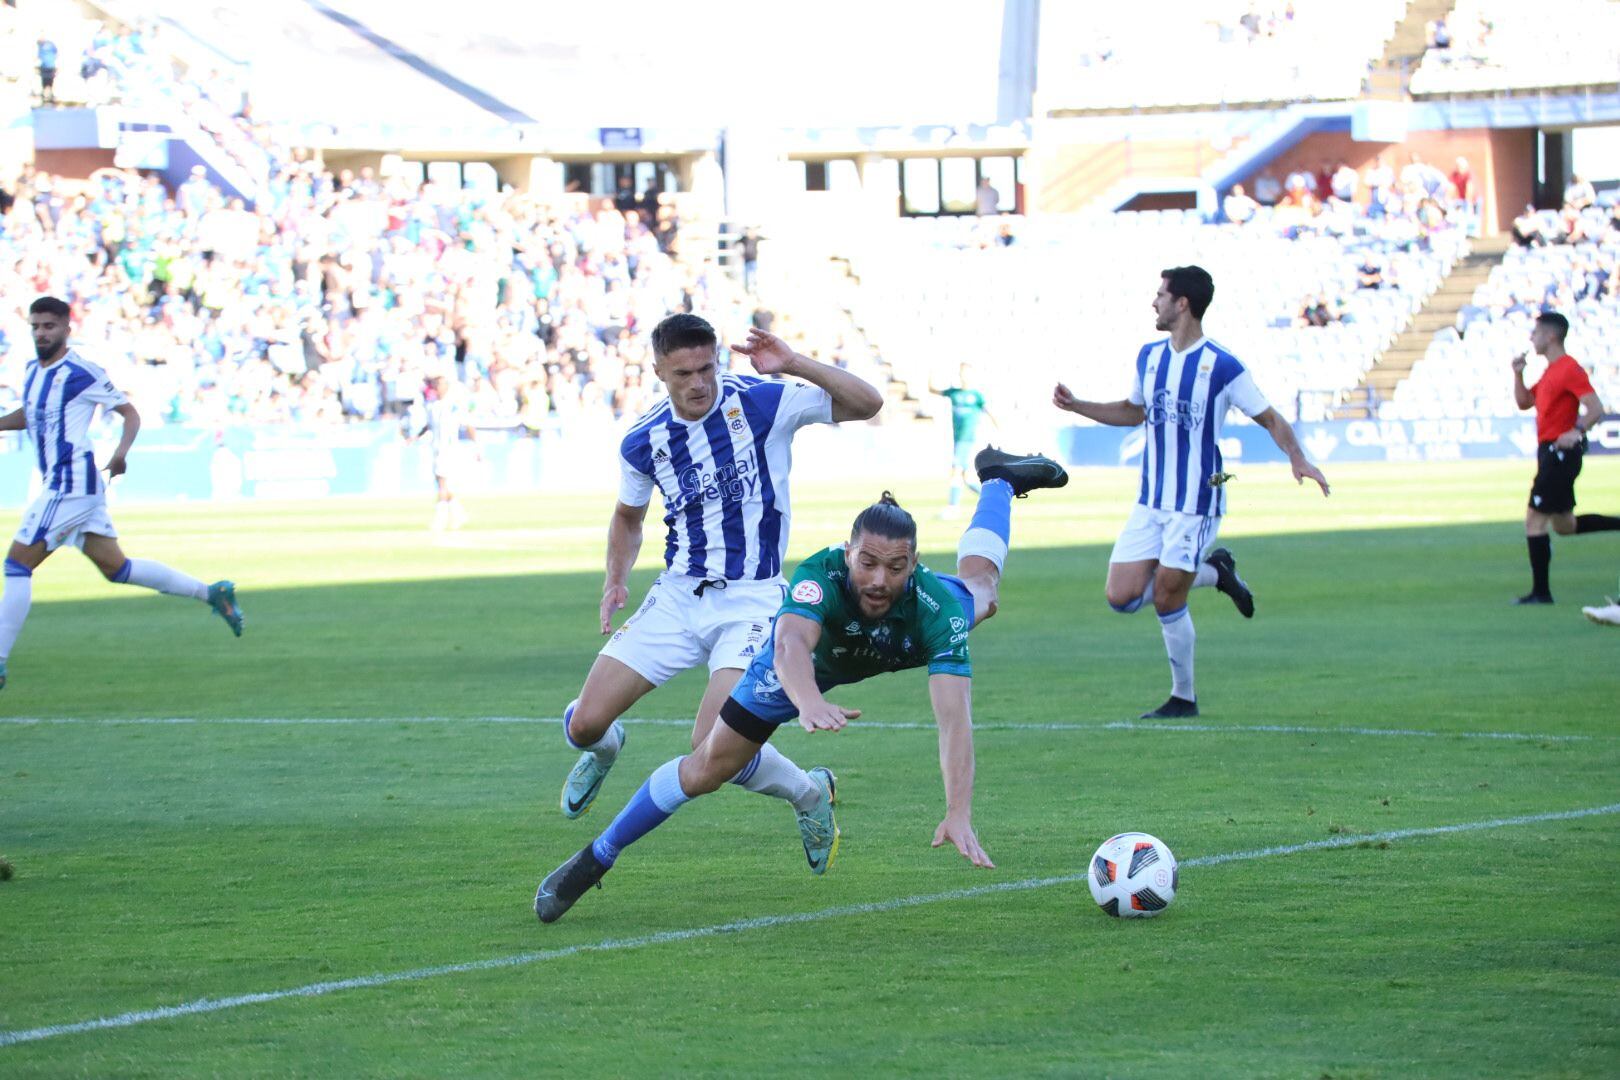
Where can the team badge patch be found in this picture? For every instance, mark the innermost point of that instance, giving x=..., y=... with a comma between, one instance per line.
x=807, y=592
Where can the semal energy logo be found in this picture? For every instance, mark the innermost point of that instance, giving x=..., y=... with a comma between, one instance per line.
x=1167, y=409
x=734, y=481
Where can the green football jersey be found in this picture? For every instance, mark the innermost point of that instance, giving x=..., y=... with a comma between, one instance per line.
x=966, y=408
x=925, y=627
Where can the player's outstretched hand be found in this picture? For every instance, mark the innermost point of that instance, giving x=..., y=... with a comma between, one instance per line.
x=1064, y=398
x=960, y=832
x=769, y=354
x=826, y=717
x=613, y=598
x=1304, y=470
x=116, y=465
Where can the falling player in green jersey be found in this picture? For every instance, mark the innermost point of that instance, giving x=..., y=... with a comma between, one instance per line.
x=852, y=611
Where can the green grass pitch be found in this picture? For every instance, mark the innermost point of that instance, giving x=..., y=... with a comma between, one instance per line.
x=162, y=865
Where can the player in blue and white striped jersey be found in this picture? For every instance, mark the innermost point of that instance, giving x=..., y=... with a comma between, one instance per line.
x=718, y=450
x=60, y=396
x=1184, y=386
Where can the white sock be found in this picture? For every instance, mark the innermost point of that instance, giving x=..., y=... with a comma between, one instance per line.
x=14, y=605
x=1206, y=577
x=606, y=748
x=441, y=514
x=664, y=785
x=1179, y=639
x=154, y=575
x=771, y=773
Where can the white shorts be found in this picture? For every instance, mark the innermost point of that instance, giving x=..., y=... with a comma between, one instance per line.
x=449, y=463
x=1176, y=540
x=675, y=629
x=61, y=519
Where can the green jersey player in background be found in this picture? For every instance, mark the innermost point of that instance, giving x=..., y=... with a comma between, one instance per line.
x=967, y=407
x=852, y=612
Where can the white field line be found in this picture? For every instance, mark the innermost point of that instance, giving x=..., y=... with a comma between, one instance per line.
x=766, y=922
x=856, y=725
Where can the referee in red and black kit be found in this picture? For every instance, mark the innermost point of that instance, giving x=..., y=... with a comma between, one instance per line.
x=1566, y=409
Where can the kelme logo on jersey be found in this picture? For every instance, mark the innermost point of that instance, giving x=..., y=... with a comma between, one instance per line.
x=1166, y=409
x=807, y=592
x=732, y=482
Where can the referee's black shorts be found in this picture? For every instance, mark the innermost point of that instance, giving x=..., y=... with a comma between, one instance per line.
x=1556, y=469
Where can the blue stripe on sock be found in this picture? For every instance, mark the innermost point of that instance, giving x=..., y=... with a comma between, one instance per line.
x=1129, y=608
x=122, y=576
x=747, y=772
x=17, y=569
x=1168, y=617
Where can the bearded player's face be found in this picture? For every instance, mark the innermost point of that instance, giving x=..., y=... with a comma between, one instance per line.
x=879, y=568
x=50, y=333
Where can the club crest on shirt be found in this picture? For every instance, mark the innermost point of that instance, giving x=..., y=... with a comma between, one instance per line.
x=734, y=417
x=807, y=592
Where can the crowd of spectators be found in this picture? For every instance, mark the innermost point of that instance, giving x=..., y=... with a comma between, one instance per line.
x=1373, y=213
x=1576, y=275
x=1420, y=200
x=339, y=294
x=1579, y=219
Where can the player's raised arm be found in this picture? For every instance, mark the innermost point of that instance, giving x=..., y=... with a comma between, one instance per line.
x=853, y=398
x=1113, y=413
x=952, y=697
x=16, y=420
x=1283, y=435
x=624, y=544
x=132, y=427
x=796, y=638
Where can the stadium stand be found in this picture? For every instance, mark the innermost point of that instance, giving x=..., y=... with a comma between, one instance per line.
x=1187, y=52
x=1464, y=370
x=1050, y=305
x=1495, y=45
x=333, y=299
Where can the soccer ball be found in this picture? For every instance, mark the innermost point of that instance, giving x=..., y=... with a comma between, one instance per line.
x=1133, y=876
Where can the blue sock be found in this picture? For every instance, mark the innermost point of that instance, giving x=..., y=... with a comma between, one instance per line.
x=651, y=805
x=990, y=530
x=994, y=511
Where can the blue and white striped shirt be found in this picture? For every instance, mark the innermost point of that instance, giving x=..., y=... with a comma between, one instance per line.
x=1185, y=397
x=725, y=477
x=59, y=402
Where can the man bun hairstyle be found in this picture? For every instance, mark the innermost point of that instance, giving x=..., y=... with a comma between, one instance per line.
x=682, y=331
x=1559, y=324
x=886, y=519
x=50, y=305
x=1193, y=284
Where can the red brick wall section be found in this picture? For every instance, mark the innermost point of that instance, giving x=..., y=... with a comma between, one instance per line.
x=72, y=164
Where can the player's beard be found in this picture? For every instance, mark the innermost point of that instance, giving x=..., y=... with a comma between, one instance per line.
x=887, y=599
x=48, y=350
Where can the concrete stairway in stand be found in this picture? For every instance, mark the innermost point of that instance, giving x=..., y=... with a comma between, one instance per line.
x=1395, y=363
x=1390, y=73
